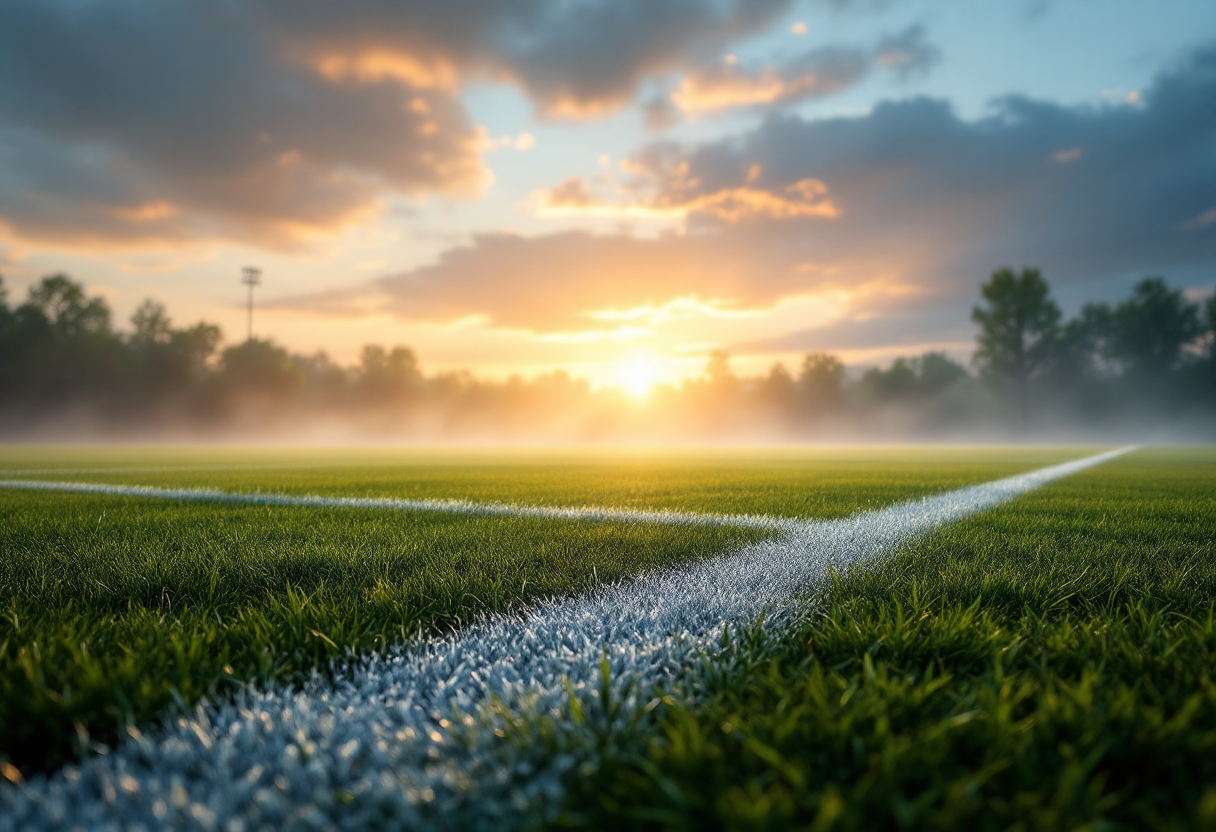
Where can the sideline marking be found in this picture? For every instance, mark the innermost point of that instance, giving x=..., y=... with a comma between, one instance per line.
x=408, y=740
x=594, y=513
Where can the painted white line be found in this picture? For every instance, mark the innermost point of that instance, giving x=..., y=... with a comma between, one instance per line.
x=408, y=741
x=147, y=469
x=593, y=513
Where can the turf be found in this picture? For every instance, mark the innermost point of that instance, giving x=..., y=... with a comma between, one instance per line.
x=792, y=483
x=115, y=608
x=118, y=610
x=1046, y=665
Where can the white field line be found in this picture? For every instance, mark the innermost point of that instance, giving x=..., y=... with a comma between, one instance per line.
x=208, y=495
x=408, y=740
x=146, y=469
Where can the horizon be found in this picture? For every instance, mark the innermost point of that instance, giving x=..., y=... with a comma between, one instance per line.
x=611, y=190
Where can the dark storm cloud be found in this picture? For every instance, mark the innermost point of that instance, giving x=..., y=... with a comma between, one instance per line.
x=929, y=204
x=271, y=121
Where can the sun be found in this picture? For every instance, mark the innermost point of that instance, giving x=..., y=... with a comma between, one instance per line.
x=638, y=374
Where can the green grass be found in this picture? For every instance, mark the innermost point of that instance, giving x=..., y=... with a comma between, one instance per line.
x=115, y=607
x=1046, y=665
x=116, y=610
x=794, y=483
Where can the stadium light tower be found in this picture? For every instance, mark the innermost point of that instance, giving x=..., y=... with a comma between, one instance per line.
x=251, y=277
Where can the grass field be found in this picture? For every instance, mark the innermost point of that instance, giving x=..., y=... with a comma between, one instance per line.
x=117, y=608
x=1015, y=668
x=1047, y=665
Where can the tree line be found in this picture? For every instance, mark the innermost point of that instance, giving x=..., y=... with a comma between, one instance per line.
x=1149, y=359
x=1152, y=354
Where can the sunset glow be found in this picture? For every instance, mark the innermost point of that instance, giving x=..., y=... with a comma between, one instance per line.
x=639, y=374
x=497, y=188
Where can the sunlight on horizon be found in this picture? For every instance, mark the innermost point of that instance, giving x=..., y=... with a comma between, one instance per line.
x=639, y=373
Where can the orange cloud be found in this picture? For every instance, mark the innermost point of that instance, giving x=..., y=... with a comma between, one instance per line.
x=148, y=212
x=720, y=90
x=1072, y=154
x=374, y=65
x=680, y=308
x=805, y=198
x=818, y=73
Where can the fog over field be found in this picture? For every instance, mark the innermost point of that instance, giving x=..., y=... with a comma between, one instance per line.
x=1142, y=369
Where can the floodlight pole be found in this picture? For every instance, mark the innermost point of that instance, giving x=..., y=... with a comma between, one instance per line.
x=251, y=277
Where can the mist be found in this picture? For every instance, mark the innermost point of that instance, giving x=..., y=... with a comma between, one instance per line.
x=1143, y=369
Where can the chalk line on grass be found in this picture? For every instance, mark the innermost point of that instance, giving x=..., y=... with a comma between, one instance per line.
x=145, y=469
x=423, y=737
x=593, y=513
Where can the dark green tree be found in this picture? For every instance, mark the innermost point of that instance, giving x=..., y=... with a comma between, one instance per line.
x=165, y=361
x=64, y=304
x=1149, y=330
x=913, y=379
x=260, y=370
x=1082, y=344
x=7, y=356
x=1209, y=331
x=937, y=372
x=1018, y=328
x=62, y=346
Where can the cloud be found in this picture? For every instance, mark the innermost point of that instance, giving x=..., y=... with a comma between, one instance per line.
x=276, y=122
x=928, y=205
x=566, y=282
x=1036, y=10
x=584, y=58
x=139, y=123
x=805, y=198
x=816, y=73
x=908, y=53
x=893, y=331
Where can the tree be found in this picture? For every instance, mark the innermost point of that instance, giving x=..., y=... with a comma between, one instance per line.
x=7, y=327
x=937, y=373
x=162, y=361
x=1081, y=345
x=61, y=345
x=261, y=369
x=778, y=389
x=821, y=379
x=1018, y=328
x=1149, y=330
x=387, y=375
x=1207, y=369
x=62, y=301
x=897, y=382
x=151, y=323
x=1209, y=324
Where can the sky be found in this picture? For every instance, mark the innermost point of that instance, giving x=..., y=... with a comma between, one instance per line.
x=614, y=188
